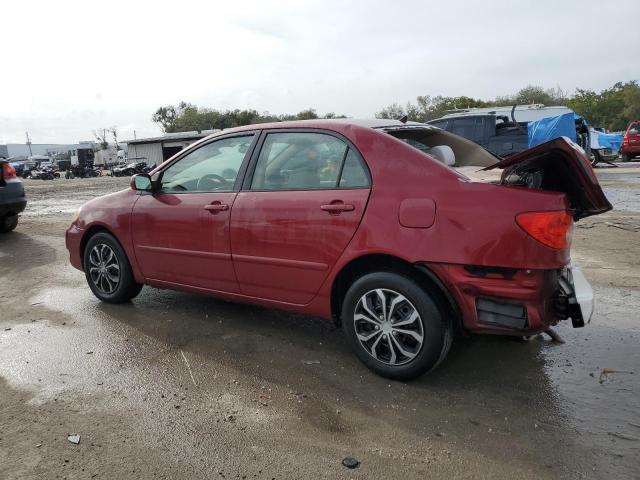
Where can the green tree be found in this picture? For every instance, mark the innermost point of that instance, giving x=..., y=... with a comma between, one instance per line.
x=427, y=108
x=188, y=117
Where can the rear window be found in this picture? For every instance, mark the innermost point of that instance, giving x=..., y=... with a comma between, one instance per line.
x=634, y=128
x=470, y=128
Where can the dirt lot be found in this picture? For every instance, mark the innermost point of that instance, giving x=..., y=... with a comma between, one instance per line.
x=174, y=385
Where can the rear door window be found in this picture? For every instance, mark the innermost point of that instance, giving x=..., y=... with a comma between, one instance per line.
x=307, y=161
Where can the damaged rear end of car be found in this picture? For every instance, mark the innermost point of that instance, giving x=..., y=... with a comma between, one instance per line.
x=529, y=300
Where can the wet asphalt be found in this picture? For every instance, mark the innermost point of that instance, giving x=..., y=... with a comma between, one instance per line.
x=174, y=385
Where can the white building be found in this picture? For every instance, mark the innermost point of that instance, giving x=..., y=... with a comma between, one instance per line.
x=154, y=151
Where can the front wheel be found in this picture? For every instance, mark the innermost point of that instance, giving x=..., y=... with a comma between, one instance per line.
x=108, y=271
x=394, y=326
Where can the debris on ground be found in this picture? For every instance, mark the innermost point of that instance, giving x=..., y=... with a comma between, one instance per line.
x=89, y=353
x=350, y=462
x=608, y=371
x=7, y=329
x=74, y=438
x=188, y=368
x=311, y=362
x=554, y=335
x=624, y=436
x=622, y=226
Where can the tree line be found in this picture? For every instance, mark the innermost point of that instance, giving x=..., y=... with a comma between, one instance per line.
x=188, y=117
x=612, y=108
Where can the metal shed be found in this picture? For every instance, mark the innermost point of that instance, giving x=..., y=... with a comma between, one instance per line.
x=156, y=150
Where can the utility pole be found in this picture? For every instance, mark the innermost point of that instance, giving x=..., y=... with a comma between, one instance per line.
x=29, y=144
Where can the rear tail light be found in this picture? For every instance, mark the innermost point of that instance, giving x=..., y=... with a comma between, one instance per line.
x=8, y=171
x=553, y=229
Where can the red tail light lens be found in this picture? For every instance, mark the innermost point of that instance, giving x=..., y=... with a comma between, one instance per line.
x=553, y=229
x=8, y=171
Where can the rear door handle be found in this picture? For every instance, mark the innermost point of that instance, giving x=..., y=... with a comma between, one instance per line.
x=216, y=207
x=337, y=207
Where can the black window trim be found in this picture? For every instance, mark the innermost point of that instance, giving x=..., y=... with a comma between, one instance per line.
x=248, y=178
x=157, y=176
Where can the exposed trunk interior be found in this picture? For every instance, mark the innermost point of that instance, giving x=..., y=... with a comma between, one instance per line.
x=559, y=166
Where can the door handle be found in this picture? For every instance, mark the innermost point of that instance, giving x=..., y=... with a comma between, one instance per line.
x=216, y=207
x=337, y=207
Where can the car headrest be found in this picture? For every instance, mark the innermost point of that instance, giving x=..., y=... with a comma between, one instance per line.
x=444, y=154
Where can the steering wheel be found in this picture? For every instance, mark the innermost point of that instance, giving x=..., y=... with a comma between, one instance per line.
x=211, y=181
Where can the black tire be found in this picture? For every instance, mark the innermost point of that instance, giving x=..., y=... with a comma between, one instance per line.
x=595, y=157
x=101, y=281
x=626, y=157
x=436, y=328
x=8, y=223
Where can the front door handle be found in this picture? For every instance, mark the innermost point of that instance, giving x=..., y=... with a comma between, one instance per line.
x=336, y=208
x=216, y=207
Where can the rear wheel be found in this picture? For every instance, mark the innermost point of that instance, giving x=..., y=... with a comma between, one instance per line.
x=394, y=326
x=108, y=271
x=626, y=157
x=8, y=223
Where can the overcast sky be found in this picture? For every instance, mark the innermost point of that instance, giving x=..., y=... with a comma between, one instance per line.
x=71, y=67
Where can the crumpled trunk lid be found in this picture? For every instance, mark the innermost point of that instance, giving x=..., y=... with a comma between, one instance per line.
x=558, y=165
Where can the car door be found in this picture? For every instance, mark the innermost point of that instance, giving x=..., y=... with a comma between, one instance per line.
x=296, y=213
x=181, y=230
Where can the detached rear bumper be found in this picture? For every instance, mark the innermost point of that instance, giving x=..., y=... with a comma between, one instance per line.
x=516, y=302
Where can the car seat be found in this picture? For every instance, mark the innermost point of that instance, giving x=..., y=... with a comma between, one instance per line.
x=444, y=154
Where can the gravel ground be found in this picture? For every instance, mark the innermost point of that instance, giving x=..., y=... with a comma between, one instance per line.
x=175, y=385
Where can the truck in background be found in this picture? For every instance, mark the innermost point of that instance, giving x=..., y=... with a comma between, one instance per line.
x=504, y=130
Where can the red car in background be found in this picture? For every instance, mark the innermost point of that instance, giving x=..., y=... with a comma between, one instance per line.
x=631, y=142
x=360, y=221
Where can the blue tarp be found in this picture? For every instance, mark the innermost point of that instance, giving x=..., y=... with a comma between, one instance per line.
x=610, y=140
x=547, y=129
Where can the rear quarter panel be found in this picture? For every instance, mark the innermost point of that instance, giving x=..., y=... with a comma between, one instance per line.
x=474, y=222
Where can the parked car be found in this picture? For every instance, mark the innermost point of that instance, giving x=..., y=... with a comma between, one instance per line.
x=12, y=198
x=631, y=141
x=24, y=168
x=44, y=172
x=360, y=221
x=129, y=169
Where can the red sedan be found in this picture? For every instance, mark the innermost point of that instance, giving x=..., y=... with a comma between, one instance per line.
x=362, y=222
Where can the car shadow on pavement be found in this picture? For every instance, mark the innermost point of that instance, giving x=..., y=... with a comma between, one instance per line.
x=283, y=348
x=19, y=252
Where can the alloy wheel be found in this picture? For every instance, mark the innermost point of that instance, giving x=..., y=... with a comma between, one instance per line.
x=388, y=326
x=104, y=268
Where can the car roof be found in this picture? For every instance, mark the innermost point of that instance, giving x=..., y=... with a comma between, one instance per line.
x=338, y=124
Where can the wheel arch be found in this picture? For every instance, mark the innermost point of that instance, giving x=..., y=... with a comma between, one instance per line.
x=90, y=232
x=379, y=262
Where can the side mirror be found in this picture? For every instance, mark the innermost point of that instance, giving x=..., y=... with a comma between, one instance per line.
x=141, y=182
